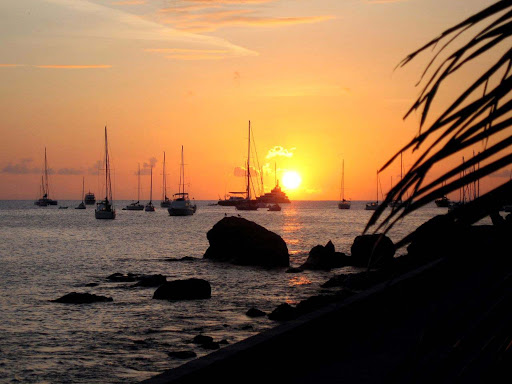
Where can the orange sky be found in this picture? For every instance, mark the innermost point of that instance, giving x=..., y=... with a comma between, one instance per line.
x=315, y=78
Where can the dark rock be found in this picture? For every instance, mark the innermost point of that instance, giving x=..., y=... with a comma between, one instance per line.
x=202, y=339
x=316, y=302
x=255, y=312
x=82, y=298
x=335, y=281
x=150, y=281
x=243, y=242
x=224, y=342
x=190, y=289
x=294, y=270
x=119, y=277
x=91, y=285
x=185, y=258
x=182, y=354
x=325, y=258
x=284, y=312
x=246, y=327
x=374, y=250
x=211, y=346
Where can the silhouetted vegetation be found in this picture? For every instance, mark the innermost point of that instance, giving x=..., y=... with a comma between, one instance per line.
x=480, y=114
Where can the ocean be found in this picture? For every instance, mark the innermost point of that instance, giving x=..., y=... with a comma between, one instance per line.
x=48, y=252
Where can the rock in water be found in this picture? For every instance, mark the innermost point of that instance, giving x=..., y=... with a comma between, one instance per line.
x=255, y=312
x=243, y=242
x=377, y=249
x=150, y=281
x=82, y=298
x=325, y=258
x=190, y=289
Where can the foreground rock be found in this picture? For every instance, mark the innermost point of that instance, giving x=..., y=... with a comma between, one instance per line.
x=82, y=298
x=372, y=250
x=255, y=312
x=190, y=289
x=325, y=258
x=243, y=242
x=182, y=354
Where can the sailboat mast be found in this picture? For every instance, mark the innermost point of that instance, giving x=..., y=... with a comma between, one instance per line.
x=248, y=164
x=151, y=186
x=343, y=180
x=46, y=189
x=83, y=188
x=138, y=184
x=182, y=174
x=164, y=182
x=108, y=185
x=377, y=186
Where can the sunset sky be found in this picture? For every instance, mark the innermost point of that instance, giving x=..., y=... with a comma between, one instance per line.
x=316, y=78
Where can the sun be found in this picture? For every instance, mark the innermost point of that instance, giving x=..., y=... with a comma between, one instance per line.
x=291, y=180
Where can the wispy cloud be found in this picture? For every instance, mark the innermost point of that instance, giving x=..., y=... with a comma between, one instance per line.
x=129, y=2
x=279, y=151
x=63, y=66
x=11, y=65
x=146, y=167
x=242, y=171
x=93, y=20
x=206, y=16
x=95, y=168
x=191, y=54
x=70, y=171
x=23, y=167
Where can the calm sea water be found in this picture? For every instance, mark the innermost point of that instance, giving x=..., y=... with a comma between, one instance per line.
x=48, y=252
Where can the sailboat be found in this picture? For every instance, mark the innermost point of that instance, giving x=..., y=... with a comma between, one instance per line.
x=82, y=204
x=247, y=204
x=105, y=208
x=149, y=206
x=374, y=205
x=397, y=202
x=181, y=204
x=166, y=202
x=45, y=189
x=343, y=204
x=136, y=205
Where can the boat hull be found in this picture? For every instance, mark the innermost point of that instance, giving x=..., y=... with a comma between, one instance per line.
x=343, y=205
x=105, y=215
x=371, y=206
x=181, y=211
x=133, y=207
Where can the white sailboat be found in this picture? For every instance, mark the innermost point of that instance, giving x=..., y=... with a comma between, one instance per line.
x=247, y=204
x=45, y=189
x=82, y=204
x=105, y=208
x=149, y=206
x=166, y=202
x=181, y=204
x=136, y=205
x=343, y=204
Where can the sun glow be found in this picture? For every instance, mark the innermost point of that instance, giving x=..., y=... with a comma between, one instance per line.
x=291, y=180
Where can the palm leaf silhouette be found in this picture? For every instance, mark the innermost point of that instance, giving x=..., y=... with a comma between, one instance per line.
x=481, y=113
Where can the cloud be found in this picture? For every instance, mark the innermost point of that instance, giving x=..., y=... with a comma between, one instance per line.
x=69, y=171
x=505, y=173
x=102, y=22
x=11, y=65
x=73, y=66
x=242, y=171
x=129, y=2
x=279, y=151
x=146, y=167
x=384, y=1
x=191, y=54
x=21, y=168
x=95, y=168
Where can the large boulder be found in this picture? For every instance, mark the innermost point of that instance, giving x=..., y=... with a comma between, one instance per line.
x=243, y=242
x=372, y=250
x=82, y=298
x=190, y=289
x=325, y=258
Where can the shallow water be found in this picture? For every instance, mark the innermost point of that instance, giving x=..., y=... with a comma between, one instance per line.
x=48, y=252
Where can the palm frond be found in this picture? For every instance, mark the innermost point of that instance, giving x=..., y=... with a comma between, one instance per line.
x=468, y=120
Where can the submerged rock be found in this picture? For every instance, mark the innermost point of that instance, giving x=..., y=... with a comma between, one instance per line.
x=284, y=312
x=255, y=312
x=182, y=354
x=202, y=339
x=150, y=281
x=372, y=250
x=82, y=298
x=243, y=242
x=190, y=289
x=325, y=258
x=294, y=270
x=120, y=278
